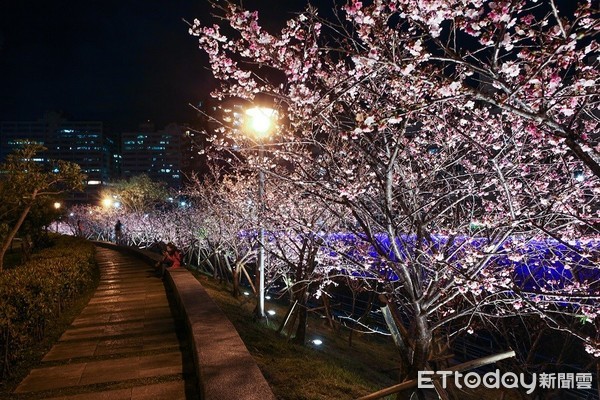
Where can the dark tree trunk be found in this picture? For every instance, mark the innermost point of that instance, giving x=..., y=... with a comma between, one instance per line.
x=300, y=337
x=13, y=232
x=236, y=280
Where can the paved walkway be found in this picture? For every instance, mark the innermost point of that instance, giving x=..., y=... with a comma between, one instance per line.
x=124, y=344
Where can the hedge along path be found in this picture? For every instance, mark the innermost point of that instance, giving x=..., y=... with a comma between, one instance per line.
x=34, y=293
x=123, y=345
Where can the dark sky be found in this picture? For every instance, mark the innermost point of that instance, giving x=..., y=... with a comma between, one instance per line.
x=119, y=61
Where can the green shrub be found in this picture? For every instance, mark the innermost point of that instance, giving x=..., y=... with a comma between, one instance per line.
x=36, y=292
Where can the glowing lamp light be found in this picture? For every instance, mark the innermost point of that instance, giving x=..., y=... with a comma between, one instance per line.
x=268, y=297
x=317, y=342
x=271, y=312
x=246, y=294
x=107, y=202
x=57, y=205
x=261, y=121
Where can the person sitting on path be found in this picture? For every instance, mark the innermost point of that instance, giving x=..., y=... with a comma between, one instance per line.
x=171, y=259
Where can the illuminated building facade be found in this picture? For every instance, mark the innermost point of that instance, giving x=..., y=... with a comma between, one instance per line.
x=81, y=142
x=157, y=154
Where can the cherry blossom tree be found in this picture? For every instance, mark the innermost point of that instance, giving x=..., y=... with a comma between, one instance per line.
x=167, y=223
x=300, y=254
x=461, y=138
x=229, y=224
x=535, y=61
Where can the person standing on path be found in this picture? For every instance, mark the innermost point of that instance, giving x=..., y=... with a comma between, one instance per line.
x=118, y=232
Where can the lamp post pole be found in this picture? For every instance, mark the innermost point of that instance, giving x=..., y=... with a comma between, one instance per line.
x=261, y=237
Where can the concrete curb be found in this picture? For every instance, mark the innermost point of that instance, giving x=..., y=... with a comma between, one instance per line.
x=224, y=367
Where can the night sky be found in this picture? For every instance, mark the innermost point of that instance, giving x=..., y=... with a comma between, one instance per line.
x=118, y=61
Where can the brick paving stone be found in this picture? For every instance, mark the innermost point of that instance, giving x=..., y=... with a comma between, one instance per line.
x=48, y=378
x=164, y=391
x=121, y=369
x=161, y=391
x=120, y=346
x=162, y=364
x=154, y=342
x=68, y=351
x=119, y=394
x=90, y=320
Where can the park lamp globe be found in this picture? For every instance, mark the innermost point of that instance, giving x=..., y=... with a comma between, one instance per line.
x=260, y=121
x=107, y=202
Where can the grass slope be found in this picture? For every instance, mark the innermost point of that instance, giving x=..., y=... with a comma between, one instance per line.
x=334, y=370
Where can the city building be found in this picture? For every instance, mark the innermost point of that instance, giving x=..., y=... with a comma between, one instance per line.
x=165, y=155
x=156, y=153
x=81, y=142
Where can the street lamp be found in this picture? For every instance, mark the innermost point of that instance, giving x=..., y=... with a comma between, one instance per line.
x=57, y=207
x=260, y=123
x=107, y=202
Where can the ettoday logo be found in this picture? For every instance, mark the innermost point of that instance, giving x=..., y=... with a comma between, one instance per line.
x=506, y=380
